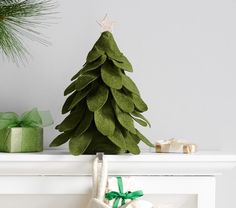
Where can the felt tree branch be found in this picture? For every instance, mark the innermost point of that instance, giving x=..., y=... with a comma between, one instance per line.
x=22, y=18
x=103, y=103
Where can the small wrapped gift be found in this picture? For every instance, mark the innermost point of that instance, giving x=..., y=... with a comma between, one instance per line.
x=175, y=146
x=23, y=133
x=121, y=190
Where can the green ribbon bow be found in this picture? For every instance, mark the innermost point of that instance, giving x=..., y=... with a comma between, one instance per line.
x=121, y=195
x=33, y=118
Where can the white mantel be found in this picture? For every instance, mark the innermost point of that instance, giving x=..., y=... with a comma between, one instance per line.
x=62, y=163
x=45, y=172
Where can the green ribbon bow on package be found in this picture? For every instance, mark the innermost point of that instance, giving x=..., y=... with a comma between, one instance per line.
x=121, y=195
x=33, y=118
x=23, y=133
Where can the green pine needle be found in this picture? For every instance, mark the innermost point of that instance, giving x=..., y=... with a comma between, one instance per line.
x=19, y=19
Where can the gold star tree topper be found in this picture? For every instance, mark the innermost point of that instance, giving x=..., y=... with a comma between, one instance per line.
x=106, y=24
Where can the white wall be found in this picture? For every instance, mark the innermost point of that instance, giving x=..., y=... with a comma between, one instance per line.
x=183, y=53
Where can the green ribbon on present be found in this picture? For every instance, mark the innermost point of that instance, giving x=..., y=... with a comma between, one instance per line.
x=33, y=118
x=121, y=195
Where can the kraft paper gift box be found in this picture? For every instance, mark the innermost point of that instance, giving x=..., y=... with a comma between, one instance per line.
x=175, y=146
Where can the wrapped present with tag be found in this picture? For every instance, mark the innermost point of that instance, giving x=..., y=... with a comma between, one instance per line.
x=122, y=192
x=175, y=146
x=23, y=133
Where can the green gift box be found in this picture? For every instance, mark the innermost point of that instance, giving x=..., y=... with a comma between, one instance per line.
x=23, y=133
x=21, y=139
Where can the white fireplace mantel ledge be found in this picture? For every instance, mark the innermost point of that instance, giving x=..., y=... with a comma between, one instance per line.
x=59, y=162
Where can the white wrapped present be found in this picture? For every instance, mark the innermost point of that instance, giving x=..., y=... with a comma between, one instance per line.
x=175, y=146
x=122, y=192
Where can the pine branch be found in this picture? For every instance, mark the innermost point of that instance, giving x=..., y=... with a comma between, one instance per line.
x=19, y=19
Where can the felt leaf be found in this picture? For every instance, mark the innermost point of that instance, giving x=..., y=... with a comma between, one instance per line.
x=123, y=101
x=85, y=123
x=101, y=143
x=144, y=139
x=129, y=84
x=72, y=120
x=70, y=88
x=107, y=43
x=135, y=138
x=131, y=144
x=76, y=75
x=91, y=66
x=95, y=73
x=94, y=65
x=79, y=144
x=60, y=139
x=111, y=75
x=104, y=120
x=94, y=54
x=125, y=60
x=79, y=96
x=83, y=81
x=124, y=119
x=139, y=115
x=68, y=102
x=123, y=65
x=80, y=106
x=118, y=139
x=139, y=121
x=98, y=98
x=139, y=103
x=115, y=56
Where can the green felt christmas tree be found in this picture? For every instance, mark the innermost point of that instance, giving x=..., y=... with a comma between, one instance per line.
x=104, y=103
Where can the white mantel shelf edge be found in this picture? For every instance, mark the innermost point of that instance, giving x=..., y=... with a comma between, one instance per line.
x=59, y=162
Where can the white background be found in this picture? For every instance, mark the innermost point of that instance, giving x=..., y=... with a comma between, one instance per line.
x=183, y=55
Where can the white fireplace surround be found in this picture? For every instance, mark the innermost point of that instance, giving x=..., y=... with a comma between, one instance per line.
x=57, y=172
